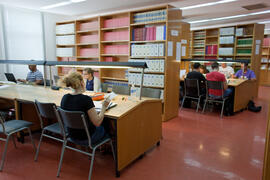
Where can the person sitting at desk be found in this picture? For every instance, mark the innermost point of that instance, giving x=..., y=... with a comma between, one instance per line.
x=196, y=74
x=77, y=101
x=34, y=76
x=226, y=70
x=92, y=83
x=203, y=69
x=247, y=74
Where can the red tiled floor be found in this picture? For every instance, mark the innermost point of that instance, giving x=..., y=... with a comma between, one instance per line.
x=195, y=146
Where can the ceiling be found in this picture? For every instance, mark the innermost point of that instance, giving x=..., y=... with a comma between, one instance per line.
x=104, y=6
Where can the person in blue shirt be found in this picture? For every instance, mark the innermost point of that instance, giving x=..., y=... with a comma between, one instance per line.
x=92, y=83
x=34, y=76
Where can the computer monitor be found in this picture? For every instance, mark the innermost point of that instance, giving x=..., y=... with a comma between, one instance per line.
x=10, y=77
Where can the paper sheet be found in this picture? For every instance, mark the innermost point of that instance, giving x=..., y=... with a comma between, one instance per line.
x=4, y=86
x=183, y=51
x=178, y=51
x=182, y=73
x=174, y=33
x=110, y=96
x=170, y=48
x=257, y=50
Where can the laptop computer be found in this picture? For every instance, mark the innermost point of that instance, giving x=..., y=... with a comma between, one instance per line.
x=10, y=77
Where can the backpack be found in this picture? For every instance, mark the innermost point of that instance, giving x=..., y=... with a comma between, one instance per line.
x=253, y=108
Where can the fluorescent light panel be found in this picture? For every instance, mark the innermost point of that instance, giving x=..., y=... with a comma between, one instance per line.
x=264, y=22
x=95, y=66
x=61, y=4
x=207, y=4
x=230, y=17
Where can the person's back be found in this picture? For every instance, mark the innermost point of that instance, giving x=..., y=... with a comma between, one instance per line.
x=195, y=74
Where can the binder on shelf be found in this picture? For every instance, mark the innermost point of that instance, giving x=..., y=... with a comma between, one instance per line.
x=65, y=29
x=89, y=26
x=65, y=40
x=65, y=52
x=93, y=38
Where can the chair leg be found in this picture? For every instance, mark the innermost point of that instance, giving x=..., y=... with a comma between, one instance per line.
x=40, y=140
x=13, y=139
x=113, y=150
x=91, y=165
x=183, y=102
x=32, y=140
x=222, y=109
x=198, y=104
x=61, y=158
x=204, y=105
x=4, y=154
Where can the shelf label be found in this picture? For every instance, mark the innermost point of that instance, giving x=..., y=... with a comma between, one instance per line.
x=183, y=51
x=183, y=41
x=174, y=33
x=178, y=51
x=257, y=50
x=170, y=48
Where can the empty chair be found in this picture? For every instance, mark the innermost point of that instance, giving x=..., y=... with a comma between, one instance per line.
x=9, y=128
x=46, y=113
x=151, y=92
x=76, y=120
x=104, y=87
x=125, y=90
x=192, y=91
x=215, y=85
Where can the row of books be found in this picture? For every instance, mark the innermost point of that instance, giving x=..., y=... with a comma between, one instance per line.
x=154, y=65
x=93, y=25
x=244, y=42
x=150, y=16
x=264, y=67
x=135, y=91
x=116, y=22
x=65, y=52
x=226, y=40
x=116, y=49
x=156, y=49
x=93, y=38
x=225, y=51
x=266, y=42
x=88, y=52
x=199, y=34
x=116, y=36
x=198, y=51
x=211, y=49
x=65, y=40
x=226, y=31
x=244, y=51
x=150, y=80
x=265, y=60
x=199, y=43
x=149, y=33
x=65, y=29
x=115, y=83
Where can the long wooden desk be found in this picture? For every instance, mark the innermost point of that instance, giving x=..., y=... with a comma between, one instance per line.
x=266, y=164
x=244, y=91
x=137, y=122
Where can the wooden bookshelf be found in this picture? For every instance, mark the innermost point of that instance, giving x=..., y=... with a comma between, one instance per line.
x=265, y=62
x=123, y=24
x=243, y=45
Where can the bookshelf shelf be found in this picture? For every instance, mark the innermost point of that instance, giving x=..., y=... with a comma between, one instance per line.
x=198, y=54
x=244, y=36
x=146, y=23
x=87, y=57
x=114, y=79
x=87, y=31
x=67, y=45
x=244, y=46
x=114, y=55
x=211, y=36
x=65, y=34
x=114, y=28
x=151, y=87
x=148, y=57
x=154, y=41
x=87, y=44
x=243, y=55
x=118, y=41
x=147, y=72
x=200, y=38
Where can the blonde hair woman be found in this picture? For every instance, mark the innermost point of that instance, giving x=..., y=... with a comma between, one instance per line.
x=77, y=101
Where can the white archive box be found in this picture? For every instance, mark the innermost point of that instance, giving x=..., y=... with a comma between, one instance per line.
x=65, y=29
x=226, y=31
x=65, y=52
x=156, y=66
x=65, y=40
x=161, y=49
x=155, y=50
x=226, y=40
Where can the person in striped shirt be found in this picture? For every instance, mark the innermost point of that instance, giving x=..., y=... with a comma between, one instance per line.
x=34, y=76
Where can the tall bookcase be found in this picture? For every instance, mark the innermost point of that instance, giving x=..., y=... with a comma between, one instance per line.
x=233, y=42
x=265, y=62
x=148, y=35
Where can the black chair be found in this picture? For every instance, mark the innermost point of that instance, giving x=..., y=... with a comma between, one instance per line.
x=76, y=120
x=125, y=90
x=216, y=85
x=104, y=87
x=10, y=128
x=46, y=112
x=151, y=92
x=192, y=91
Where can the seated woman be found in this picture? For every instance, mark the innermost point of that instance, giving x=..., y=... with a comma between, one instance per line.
x=77, y=101
x=245, y=73
x=92, y=83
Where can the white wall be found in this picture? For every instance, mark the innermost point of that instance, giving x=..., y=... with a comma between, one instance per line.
x=2, y=50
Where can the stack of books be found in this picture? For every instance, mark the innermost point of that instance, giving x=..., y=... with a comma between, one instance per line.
x=88, y=52
x=116, y=22
x=226, y=40
x=93, y=38
x=149, y=33
x=150, y=16
x=226, y=51
x=244, y=42
x=116, y=36
x=89, y=26
x=116, y=49
x=211, y=50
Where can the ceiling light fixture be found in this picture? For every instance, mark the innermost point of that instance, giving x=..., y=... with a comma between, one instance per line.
x=61, y=4
x=264, y=22
x=229, y=17
x=207, y=4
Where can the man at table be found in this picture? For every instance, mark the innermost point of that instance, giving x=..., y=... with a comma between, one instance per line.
x=226, y=70
x=34, y=76
x=247, y=74
x=195, y=74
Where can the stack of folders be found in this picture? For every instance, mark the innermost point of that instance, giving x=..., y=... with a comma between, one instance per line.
x=156, y=49
x=154, y=65
x=65, y=52
x=226, y=40
x=149, y=33
x=89, y=26
x=150, y=16
x=65, y=28
x=65, y=40
x=150, y=80
x=136, y=91
x=226, y=31
x=226, y=51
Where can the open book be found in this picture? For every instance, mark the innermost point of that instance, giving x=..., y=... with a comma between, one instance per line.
x=98, y=105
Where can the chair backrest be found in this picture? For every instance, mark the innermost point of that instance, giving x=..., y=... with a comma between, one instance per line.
x=192, y=87
x=74, y=120
x=45, y=111
x=2, y=120
x=151, y=92
x=215, y=85
x=125, y=90
x=104, y=87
